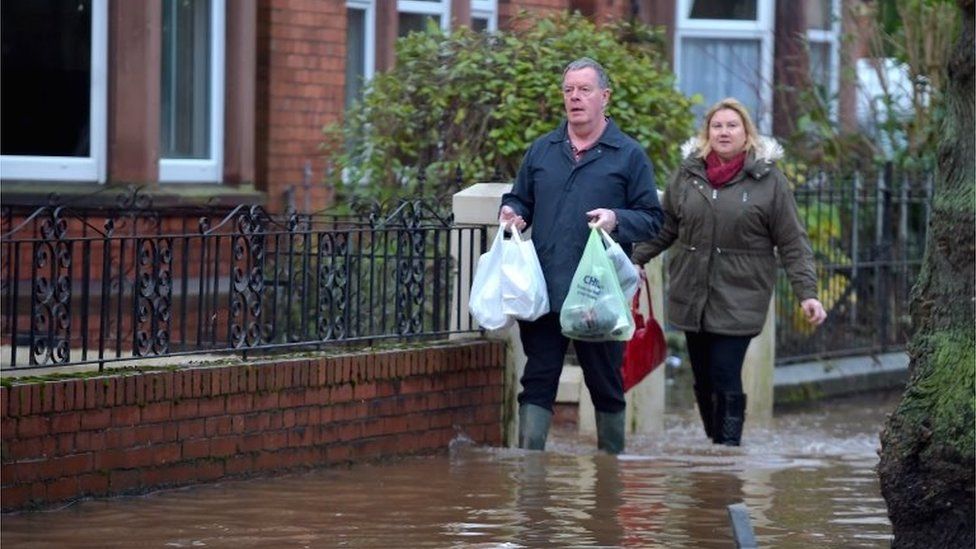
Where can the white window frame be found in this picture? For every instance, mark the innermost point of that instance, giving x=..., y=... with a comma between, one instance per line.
x=89, y=168
x=369, y=36
x=759, y=29
x=206, y=170
x=440, y=8
x=832, y=39
x=486, y=9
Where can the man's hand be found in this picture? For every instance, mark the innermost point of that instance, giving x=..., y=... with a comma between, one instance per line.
x=508, y=217
x=814, y=310
x=603, y=218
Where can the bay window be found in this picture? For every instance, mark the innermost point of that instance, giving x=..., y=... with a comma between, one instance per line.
x=360, y=47
x=192, y=91
x=414, y=15
x=54, y=100
x=823, y=39
x=725, y=48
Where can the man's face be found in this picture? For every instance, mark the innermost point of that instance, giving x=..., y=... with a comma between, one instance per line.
x=583, y=98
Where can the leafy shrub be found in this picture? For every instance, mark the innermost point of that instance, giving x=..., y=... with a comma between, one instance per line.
x=467, y=105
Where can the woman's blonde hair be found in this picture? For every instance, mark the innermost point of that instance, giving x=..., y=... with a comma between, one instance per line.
x=732, y=104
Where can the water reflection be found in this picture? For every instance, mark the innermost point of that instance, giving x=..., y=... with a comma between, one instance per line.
x=808, y=481
x=567, y=500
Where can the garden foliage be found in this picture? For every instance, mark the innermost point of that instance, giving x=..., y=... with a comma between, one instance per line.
x=465, y=106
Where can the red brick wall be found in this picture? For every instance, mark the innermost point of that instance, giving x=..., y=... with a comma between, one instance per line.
x=300, y=76
x=135, y=433
x=611, y=10
x=507, y=9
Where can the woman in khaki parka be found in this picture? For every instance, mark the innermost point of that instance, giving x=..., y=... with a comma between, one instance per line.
x=729, y=214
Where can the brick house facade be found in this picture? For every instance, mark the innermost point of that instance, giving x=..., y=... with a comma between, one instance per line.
x=223, y=102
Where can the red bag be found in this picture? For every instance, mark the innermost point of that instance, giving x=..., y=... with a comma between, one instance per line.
x=647, y=349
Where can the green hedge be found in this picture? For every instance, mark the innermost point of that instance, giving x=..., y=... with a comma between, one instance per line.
x=471, y=103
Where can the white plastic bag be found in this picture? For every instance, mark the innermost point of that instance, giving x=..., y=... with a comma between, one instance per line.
x=524, y=292
x=627, y=273
x=485, y=299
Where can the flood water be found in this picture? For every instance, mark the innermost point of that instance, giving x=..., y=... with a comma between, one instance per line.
x=808, y=480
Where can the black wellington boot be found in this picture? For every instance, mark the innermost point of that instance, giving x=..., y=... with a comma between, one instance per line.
x=610, y=428
x=706, y=409
x=730, y=416
x=533, y=427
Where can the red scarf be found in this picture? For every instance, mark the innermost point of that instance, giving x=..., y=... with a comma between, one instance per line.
x=718, y=173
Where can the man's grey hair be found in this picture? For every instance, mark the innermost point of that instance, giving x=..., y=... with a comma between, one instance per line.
x=586, y=63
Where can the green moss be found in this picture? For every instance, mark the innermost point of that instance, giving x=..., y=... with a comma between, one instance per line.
x=10, y=381
x=199, y=191
x=959, y=201
x=805, y=392
x=942, y=396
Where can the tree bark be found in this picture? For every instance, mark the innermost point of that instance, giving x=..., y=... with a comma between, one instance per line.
x=927, y=445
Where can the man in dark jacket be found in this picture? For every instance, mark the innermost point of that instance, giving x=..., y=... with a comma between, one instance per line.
x=585, y=173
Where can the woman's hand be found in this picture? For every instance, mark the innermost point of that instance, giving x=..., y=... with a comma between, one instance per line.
x=508, y=217
x=814, y=310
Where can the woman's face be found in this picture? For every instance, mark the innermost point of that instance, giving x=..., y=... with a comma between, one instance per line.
x=726, y=133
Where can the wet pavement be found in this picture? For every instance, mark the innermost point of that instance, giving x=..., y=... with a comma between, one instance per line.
x=808, y=480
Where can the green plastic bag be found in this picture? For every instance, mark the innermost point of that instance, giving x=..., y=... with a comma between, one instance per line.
x=595, y=308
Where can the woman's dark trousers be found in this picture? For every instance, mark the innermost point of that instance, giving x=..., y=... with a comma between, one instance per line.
x=716, y=361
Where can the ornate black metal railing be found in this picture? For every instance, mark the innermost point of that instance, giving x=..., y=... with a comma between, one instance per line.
x=102, y=286
x=868, y=235
x=131, y=282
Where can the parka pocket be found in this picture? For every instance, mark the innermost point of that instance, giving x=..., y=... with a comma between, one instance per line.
x=745, y=278
x=685, y=273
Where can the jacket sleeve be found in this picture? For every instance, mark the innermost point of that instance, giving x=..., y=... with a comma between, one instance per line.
x=642, y=217
x=522, y=196
x=791, y=241
x=649, y=249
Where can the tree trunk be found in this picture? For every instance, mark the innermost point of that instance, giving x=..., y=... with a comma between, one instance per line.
x=927, y=445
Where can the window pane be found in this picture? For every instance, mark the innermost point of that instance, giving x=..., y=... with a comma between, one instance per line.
x=478, y=24
x=46, y=73
x=185, y=98
x=415, y=22
x=739, y=10
x=355, y=54
x=818, y=14
x=717, y=69
x=820, y=67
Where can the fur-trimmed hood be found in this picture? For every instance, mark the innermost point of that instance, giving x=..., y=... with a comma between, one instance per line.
x=767, y=149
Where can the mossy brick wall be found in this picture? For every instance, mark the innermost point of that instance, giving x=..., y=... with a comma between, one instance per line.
x=129, y=434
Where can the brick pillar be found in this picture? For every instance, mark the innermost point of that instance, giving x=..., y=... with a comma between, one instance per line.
x=387, y=21
x=791, y=65
x=239, y=93
x=135, y=55
x=508, y=9
x=460, y=13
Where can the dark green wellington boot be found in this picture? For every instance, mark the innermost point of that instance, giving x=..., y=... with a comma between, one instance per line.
x=610, y=429
x=706, y=408
x=730, y=416
x=533, y=426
